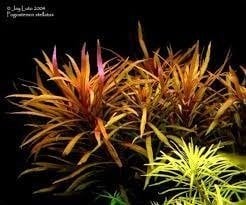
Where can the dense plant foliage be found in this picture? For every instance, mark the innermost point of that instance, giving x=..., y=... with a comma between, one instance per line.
x=199, y=176
x=99, y=130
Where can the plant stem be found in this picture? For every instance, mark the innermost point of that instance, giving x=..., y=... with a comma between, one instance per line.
x=200, y=190
x=124, y=195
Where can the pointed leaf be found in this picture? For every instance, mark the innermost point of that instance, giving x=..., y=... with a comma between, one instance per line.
x=178, y=127
x=74, y=64
x=113, y=152
x=149, y=150
x=79, y=170
x=41, y=133
x=35, y=169
x=72, y=143
x=108, y=144
x=206, y=61
x=54, y=63
x=43, y=67
x=228, y=103
x=115, y=119
x=99, y=62
x=135, y=148
x=39, y=114
x=86, y=155
x=45, y=190
x=143, y=121
x=159, y=134
x=141, y=41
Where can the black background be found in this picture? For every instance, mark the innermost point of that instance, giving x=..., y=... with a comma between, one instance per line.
x=115, y=24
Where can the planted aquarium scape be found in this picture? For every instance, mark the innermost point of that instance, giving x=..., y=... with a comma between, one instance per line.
x=127, y=120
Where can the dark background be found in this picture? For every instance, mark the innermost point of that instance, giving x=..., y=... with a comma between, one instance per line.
x=115, y=24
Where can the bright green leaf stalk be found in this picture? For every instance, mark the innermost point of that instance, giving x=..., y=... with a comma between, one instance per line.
x=200, y=176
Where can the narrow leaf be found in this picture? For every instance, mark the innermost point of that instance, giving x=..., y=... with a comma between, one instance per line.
x=99, y=62
x=206, y=61
x=115, y=119
x=113, y=152
x=72, y=143
x=149, y=150
x=41, y=133
x=78, y=171
x=159, y=134
x=229, y=102
x=35, y=169
x=141, y=41
x=143, y=121
x=135, y=148
x=54, y=62
x=45, y=190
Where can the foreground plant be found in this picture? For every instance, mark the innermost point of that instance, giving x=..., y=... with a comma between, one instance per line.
x=198, y=176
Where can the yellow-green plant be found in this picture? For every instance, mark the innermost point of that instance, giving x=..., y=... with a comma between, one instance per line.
x=85, y=125
x=198, y=175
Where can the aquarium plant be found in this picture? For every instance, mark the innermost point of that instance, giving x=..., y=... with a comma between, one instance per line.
x=170, y=111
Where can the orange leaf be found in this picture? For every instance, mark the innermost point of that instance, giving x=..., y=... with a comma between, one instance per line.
x=220, y=112
x=72, y=143
x=143, y=121
x=135, y=148
x=108, y=144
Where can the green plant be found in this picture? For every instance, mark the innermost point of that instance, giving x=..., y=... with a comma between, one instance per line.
x=114, y=199
x=198, y=176
x=84, y=126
